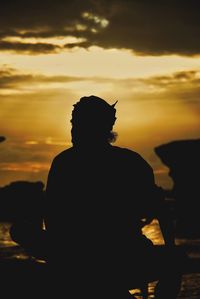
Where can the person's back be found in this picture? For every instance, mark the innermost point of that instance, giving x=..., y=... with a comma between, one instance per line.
x=97, y=195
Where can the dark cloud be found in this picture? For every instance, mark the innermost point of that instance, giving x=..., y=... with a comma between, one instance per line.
x=155, y=27
x=22, y=151
x=146, y=27
x=12, y=78
x=22, y=161
x=179, y=80
x=179, y=84
x=28, y=48
x=40, y=16
x=182, y=86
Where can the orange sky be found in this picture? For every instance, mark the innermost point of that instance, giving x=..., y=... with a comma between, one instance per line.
x=157, y=90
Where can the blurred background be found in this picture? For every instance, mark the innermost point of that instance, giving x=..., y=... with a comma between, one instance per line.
x=143, y=54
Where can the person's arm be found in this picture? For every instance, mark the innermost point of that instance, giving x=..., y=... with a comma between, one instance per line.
x=50, y=193
x=160, y=210
x=166, y=222
x=154, y=203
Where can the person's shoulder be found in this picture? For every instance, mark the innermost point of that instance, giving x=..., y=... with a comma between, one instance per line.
x=126, y=152
x=64, y=155
x=131, y=156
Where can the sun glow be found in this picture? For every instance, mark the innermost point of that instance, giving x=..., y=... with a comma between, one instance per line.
x=95, y=61
x=38, y=92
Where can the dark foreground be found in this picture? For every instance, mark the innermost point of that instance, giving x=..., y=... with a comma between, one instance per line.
x=29, y=278
x=23, y=277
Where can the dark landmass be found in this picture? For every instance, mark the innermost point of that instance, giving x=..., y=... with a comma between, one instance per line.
x=183, y=159
x=35, y=278
x=23, y=278
x=21, y=201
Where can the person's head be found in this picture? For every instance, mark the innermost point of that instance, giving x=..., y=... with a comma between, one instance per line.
x=92, y=121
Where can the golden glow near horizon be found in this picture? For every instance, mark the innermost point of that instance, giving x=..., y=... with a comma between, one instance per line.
x=95, y=61
x=157, y=102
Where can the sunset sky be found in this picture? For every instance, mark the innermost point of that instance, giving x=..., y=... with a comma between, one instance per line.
x=145, y=54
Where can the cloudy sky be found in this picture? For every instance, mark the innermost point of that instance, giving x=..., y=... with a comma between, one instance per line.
x=145, y=54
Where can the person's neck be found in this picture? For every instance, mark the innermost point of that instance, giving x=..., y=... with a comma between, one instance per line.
x=92, y=146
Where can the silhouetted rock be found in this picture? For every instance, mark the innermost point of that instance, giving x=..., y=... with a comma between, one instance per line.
x=2, y=138
x=183, y=159
x=20, y=278
x=21, y=201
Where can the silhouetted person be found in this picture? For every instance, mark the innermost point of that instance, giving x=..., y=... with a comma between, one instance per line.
x=98, y=197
